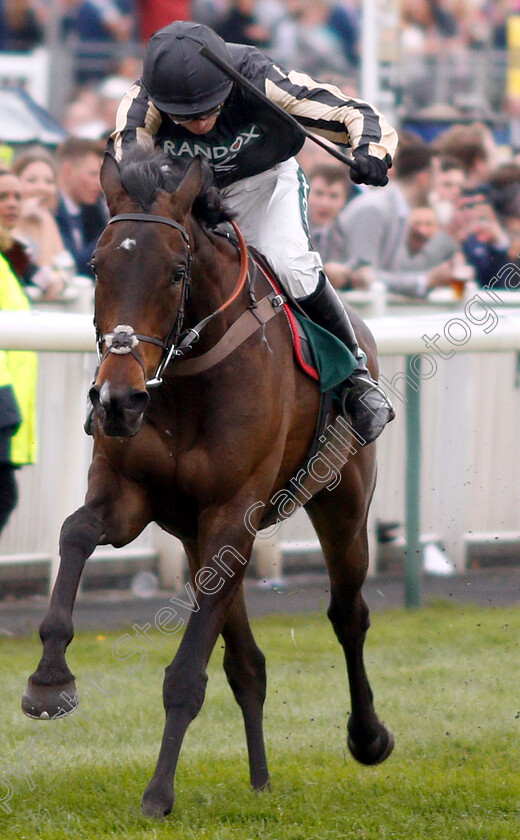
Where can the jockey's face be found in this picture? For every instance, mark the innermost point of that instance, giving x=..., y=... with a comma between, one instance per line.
x=201, y=123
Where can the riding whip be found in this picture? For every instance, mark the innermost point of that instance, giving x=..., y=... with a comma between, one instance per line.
x=247, y=85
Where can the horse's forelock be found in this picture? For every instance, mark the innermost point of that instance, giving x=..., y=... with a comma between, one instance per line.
x=144, y=173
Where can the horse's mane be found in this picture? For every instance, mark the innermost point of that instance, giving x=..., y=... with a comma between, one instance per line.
x=145, y=172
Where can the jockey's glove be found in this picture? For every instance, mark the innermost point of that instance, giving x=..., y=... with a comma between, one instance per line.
x=369, y=169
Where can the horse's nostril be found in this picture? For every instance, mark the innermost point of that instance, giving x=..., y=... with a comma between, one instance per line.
x=93, y=395
x=138, y=401
x=120, y=412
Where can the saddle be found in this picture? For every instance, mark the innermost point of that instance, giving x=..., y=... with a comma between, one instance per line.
x=325, y=359
x=319, y=354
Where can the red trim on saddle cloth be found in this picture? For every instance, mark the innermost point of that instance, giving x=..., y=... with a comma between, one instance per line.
x=293, y=326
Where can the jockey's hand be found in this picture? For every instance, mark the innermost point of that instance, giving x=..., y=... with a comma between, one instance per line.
x=369, y=169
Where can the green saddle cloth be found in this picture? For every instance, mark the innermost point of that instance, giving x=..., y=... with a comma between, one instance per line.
x=333, y=360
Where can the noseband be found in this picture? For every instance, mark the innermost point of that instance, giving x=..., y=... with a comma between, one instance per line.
x=124, y=339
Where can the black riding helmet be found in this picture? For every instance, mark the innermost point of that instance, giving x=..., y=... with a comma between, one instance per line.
x=178, y=79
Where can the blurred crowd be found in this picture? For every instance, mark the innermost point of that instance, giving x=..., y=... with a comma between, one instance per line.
x=449, y=216
x=451, y=213
x=300, y=30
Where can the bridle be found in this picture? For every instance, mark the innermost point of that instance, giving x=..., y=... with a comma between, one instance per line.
x=124, y=340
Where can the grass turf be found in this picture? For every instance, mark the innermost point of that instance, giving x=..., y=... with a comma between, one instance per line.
x=445, y=680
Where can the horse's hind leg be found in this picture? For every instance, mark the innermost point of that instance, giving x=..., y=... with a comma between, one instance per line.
x=184, y=688
x=244, y=664
x=43, y=697
x=345, y=547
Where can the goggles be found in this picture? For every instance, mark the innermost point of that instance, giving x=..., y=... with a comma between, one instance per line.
x=207, y=115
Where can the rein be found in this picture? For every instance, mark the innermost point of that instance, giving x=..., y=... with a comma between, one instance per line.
x=124, y=340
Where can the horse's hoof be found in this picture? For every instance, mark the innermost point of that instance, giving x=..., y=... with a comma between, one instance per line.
x=158, y=800
x=47, y=701
x=261, y=787
x=376, y=752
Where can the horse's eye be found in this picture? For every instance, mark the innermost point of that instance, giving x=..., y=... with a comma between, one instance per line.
x=92, y=265
x=179, y=274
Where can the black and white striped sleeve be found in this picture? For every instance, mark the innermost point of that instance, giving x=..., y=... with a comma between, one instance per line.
x=325, y=110
x=137, y=120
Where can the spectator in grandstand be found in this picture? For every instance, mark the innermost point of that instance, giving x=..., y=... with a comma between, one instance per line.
x=110, y=92
x=497, y=17
x=504, y=196
x=318, y=36
x=330, y=189
x=100, y=26
x=240, y=25
x=92, y=115
x=16, y=249
x=82, y=213
x=375, y=225
x=448, y=182
x=18, y=372
x=427, y=244
x=129, y=65
x=484, y=240
x=22, y=24
x=423, y=224
x=154, y=14
x=473, y=146
x=487, y=200
x=510, y=219
x=424, y=24
x=37, y=226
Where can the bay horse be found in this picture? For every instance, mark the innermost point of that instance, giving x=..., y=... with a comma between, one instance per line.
x=196, y=452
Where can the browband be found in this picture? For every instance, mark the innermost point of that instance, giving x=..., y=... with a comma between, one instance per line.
x=150, y=217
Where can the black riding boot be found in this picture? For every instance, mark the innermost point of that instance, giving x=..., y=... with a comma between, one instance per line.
x=365, y=403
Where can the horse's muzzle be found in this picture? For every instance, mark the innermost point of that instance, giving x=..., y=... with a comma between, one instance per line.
x=120, y=413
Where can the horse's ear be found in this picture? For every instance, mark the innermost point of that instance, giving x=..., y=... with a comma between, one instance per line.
x=110, y=176
x=190, y=186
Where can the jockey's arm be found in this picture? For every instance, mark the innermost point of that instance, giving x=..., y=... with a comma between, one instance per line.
x=325, y=110
x=137, y=120
x=319, y=107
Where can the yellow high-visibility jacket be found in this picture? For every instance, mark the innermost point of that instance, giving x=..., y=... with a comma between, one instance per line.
x=18, y=370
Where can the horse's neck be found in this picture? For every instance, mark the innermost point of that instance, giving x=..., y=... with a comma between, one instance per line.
x=215, y=271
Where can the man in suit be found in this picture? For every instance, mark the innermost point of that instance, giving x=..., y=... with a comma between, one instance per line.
x=82, y=213
x=375, y=225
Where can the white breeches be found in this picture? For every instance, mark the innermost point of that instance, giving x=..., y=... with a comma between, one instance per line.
x=271, y=210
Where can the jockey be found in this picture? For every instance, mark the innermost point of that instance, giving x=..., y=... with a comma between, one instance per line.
x=186, y=105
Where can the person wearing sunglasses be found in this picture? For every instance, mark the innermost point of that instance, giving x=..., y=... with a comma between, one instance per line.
x=187, y=106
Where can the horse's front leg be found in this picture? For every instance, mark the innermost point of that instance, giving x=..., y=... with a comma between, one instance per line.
x=42, y=698
x=184, y=688
x=114, y=512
